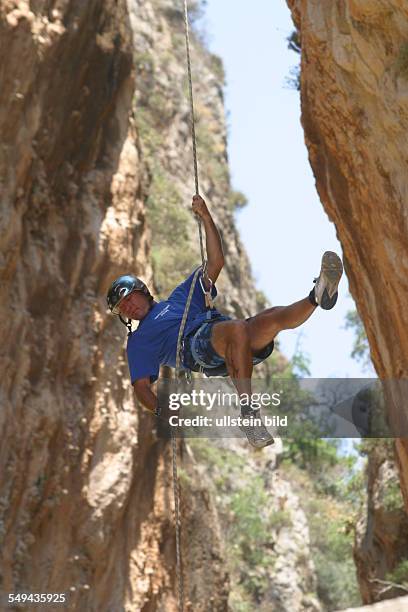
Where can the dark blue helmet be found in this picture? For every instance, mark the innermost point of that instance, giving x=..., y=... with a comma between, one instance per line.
x=122, y=287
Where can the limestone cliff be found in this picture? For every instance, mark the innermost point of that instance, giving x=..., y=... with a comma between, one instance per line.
x=85, y=489
x=354, y=89
x=381, y=532
x=96, y=180
x=399, y=604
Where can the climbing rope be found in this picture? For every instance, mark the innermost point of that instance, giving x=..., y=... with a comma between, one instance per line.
x=192, y=122
x=176, y=494
x=176, y=487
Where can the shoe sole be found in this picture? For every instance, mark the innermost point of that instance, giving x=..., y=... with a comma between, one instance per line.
x=331, y=270
x=261, y=444
x=268, y=443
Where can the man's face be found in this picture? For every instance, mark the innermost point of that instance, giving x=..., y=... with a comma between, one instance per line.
x=135, y=306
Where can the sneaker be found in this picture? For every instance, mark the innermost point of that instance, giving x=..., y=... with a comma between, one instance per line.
x=325, y=290
x=257, y=434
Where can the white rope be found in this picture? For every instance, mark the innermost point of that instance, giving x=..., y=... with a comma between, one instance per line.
x=192, y=123
x=176, y=487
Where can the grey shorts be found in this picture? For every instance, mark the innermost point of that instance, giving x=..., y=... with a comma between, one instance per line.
x=200, y=356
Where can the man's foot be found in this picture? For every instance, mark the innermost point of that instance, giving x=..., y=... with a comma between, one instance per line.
x=325, y=289
x=257, y=434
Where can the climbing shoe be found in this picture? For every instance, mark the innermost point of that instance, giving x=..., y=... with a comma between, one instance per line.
x=257, y=434
x=325, y=290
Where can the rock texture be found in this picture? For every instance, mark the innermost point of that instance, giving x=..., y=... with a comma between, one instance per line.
x=94, y=167
x=354, y=88
x=85, y=491
x=381, y=533
x=266, y=534
x=162, y=115
x=399, y=604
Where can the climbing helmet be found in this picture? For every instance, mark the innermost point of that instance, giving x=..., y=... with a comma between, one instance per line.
x=121, y=288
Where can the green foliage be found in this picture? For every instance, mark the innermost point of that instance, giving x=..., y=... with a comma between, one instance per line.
x=293, y=80
x=211, y=151
x=224, y=460
x=399, y=574
x=280, y=519
x=247, y=505
x=300, y=363
x=171, y=222
x=238, y=601
x=261, y=300
x=379, y=450
x=331, y=539
x=217, y=68
x=402, y=61
x=144, y=64
x=154, y=104
x=237, y=199
x=337, y=584
x=331, y=489
x=252, y=521
x=392, y=496
x=196, y=10
x=361, y=348
x=315, y=455
x=294, y=43
x=354, y=492
x=382, y=447
x=150, y=138
x=251, y=532
x=305, y=447
x=184, y=478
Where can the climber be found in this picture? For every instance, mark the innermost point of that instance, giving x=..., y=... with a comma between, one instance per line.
x=219, y=345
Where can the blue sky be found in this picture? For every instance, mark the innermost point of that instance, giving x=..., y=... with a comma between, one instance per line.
x=284, y=227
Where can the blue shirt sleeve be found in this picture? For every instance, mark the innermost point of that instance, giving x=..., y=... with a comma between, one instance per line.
x=180, y=293
x=143, y=361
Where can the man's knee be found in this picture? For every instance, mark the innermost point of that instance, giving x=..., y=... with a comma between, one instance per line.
x=239, y=332
x=230, y=336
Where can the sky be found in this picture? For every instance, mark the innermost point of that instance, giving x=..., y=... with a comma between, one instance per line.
x=284, y=227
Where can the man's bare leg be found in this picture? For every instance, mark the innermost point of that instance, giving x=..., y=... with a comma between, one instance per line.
x=267, y=324
x=264, y=326
x=231, y=340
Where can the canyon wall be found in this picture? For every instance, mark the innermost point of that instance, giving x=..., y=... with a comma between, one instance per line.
x=96, y=180
x=381, y=540
x=354, y=94
x=399, y=604
x=85, y=485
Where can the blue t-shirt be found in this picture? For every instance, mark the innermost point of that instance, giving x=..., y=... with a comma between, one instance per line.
x=154, y=343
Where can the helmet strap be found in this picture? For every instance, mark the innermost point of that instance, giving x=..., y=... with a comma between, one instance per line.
x=128, y=324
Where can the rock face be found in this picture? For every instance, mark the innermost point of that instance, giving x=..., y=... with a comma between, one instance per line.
x=94, y=160
x=354, y=87
x=399, y=604
x=266, y=534
x=85, y=486
x=381, y=534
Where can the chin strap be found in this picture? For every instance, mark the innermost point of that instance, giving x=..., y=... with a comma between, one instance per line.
x=128, y=325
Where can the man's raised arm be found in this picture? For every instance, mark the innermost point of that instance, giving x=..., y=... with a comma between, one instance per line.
x=215, y=254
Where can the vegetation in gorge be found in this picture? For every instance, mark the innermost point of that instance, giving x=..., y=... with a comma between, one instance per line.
x=330, y=488
x=157, y=103
x=361, y=349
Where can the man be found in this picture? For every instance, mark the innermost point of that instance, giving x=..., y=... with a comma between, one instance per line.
x=220, y=345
